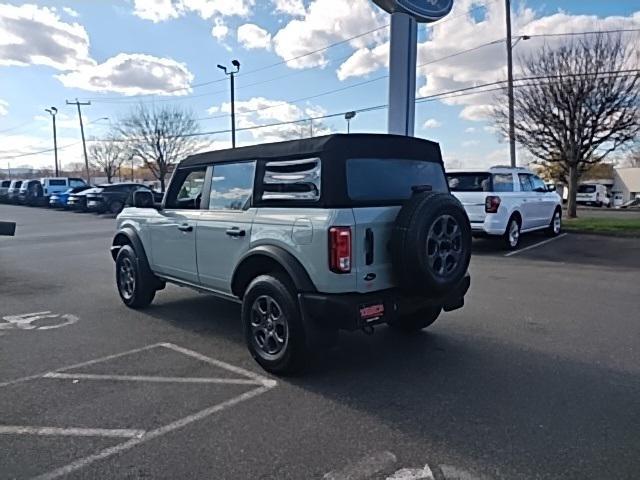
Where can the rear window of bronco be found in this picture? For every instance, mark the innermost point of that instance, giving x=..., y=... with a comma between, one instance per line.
x=381, y=179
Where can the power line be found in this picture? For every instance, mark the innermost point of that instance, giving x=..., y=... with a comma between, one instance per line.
x=593, y=32
x=460, y=92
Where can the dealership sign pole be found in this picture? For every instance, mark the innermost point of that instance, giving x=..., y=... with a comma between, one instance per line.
x=405, y=15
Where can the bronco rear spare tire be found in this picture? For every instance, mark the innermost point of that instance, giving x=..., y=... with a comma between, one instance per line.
x=431, y=243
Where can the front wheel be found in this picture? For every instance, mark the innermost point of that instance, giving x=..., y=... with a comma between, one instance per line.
x=512, y=234
x=136, y=288
x=273, y=326
x=416, y=321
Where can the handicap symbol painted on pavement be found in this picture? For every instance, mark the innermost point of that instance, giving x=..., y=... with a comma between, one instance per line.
x=37, y=321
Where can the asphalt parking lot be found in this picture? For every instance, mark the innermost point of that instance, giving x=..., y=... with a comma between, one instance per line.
x=538, y=377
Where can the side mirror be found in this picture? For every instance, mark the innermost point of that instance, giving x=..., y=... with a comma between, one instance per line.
x=7, y=229
x=143, y=199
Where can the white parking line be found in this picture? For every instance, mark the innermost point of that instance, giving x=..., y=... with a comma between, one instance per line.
x=71, y=432
x=535, y=245
x=158, y=432
x=145, y=378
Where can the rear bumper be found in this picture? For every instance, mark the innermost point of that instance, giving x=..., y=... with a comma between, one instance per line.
x=489, y=227
x=342, y=311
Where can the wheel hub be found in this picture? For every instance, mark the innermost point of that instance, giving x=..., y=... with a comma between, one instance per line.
x=269, y=327
x=444, y=245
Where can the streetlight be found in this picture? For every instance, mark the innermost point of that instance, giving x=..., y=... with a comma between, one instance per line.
x=53, y=111
x=348, y=116
x=232, y=75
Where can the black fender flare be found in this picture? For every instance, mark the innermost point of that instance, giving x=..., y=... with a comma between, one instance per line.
x=290, y=264
x=128, y=236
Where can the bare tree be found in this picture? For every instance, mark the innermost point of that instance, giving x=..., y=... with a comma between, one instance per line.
x=107, y=157
x=580, y=103
x=159, y=137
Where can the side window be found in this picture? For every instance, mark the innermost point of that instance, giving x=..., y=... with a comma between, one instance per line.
x=525, y=182
x=76, y=182
x=292, y=180
x=186, y=190
x=232, y=186
x=503, y=182
x=538, y=184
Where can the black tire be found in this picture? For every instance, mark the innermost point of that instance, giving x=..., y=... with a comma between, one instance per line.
x=554, y=229
x=115, y=207
x=136, y=287
x=416, y=321
x=511, y=237
x=273, y=326
x=431, y=243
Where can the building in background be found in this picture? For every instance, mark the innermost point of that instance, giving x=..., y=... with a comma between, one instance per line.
x=626, y=185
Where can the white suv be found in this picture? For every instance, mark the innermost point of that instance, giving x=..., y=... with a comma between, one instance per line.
x=506, y=202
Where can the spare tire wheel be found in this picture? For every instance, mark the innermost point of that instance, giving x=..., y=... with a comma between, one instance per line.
x=431, y=243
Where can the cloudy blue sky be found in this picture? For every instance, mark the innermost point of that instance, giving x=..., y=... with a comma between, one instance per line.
x=120, y=53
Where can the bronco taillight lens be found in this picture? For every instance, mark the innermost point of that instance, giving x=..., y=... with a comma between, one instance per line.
x=340, y=249
x=491, y=204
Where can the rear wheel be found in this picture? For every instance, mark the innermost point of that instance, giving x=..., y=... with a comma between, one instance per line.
x=511, y=236
x=555, y=227
x=273, y=326
x=416, y=321
x=136, y=288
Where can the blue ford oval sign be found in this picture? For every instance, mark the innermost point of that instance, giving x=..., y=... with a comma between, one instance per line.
x=421, y=10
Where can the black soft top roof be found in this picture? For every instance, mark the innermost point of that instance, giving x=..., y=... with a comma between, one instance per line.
x=337, y=146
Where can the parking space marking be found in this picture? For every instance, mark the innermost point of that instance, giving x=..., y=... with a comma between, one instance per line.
x=78, y=365
x=71, y=432
x=136, y=436
x=146, y=378
x=535, y=245
x=158, y=432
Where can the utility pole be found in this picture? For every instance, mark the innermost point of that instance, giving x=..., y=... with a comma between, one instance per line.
x=512, y=128
x=84, y=144
x=132, y=157
x=232, y=75
x=53, y=111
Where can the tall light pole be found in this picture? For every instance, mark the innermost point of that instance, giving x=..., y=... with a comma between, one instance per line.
x=53, y=111
x=84, y=144
x=512, y=127
x=348, y=116
x=232, y=75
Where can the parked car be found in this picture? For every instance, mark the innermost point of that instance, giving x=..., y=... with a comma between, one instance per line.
x=311, y=236
x=4, y=190
x=78, y=201
x=53, y=185
x=59, y=200
x=113, y=197
x=31, y=193
x=506, y=202
x=13, y=193
x=593, y=194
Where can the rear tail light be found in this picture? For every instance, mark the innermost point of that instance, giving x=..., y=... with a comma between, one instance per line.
x=340, y=249
x=491, y=204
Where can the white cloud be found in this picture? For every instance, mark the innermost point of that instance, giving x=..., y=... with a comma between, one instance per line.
x=251, y=36
x=4, y=107
x=364, y=61
x=219, y=30
x=69, y=149
x=432, y=123
x=32, y=35
x=263, y=111
x=325, y=22
x=71, y=12
x=470, y=143
x=470, y=130
x=132, y=74
x=290, y=7
x=162, y=10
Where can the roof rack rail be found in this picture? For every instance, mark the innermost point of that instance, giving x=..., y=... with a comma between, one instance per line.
x=509, y=166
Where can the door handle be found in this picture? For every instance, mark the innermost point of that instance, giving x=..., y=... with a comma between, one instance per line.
x=236, y=232
x=185, y=228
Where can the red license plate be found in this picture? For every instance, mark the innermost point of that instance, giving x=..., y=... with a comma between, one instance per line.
x=370, y=312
